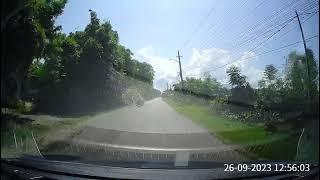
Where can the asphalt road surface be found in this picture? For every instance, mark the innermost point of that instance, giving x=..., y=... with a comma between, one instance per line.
x=154, y=127
x=155, y=116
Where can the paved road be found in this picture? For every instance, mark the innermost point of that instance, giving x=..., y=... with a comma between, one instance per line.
x=155, y=116
x=154, y=127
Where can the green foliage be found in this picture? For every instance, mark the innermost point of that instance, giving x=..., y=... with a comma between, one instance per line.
x=270, y=90
x=298, y=81
x=235, y=78
x=290, y=92
x=27, y=28
x=60, y=68
x=270, y=72
x=124, y=56
x=252, y=137
x=78, y=69
x=241, y=92
x=141, y=71
x=207, y=87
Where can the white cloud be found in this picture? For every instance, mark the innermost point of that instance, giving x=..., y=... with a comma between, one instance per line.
x=165, y=69
x=205, y=60
x=200, y=62
x=214, y=60
x=253, y=73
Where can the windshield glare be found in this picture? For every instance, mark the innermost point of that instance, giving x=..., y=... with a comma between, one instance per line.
x=183, y=82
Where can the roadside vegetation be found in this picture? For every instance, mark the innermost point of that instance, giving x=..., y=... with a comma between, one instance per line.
x=252, y=138
x=65, y=74
x=268, y=120
x=51, y=81
x=17, y=132
x=44, y=71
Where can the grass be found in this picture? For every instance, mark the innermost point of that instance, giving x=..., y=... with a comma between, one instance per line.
x=253, y=137
x=45, y=132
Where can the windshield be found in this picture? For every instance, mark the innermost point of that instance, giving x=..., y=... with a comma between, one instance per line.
x=160, y=81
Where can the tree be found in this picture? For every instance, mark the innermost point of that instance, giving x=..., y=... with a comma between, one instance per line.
x=313, y=74
x=270, y=72
x=297, y=80
x=241, y=91
x=235, y=78
x=270, y=76
x=270, y=88
x=290, y=91
x=123, y=58
x=207, y=87
x=26, y=28
x=80, y=68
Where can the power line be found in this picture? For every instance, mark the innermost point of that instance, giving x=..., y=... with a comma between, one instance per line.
x=266, y=26
x=212, y=26
x=262, y=53
x=310, y=12
x=287, y=22
x=273, y=34
x=238, y=19
x=266, y=32
x=198, y=27
x=216, y=24
x=267, y=52
x=268, y=22
x=290, y=21
x=269, y=18
x=297, y=26
x=274, y=15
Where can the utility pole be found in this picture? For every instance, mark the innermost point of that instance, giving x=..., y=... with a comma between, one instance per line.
x=309, y=106
x=180, y=69
x=307, y=61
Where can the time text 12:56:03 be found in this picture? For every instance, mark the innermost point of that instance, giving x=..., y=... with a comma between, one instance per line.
x=267, y=167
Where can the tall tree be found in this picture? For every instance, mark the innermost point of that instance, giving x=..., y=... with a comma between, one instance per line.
x=270, y=72
x=235, y=78
x=297, y=78
x=80, y=68
x=26, y=27
x=270, y=88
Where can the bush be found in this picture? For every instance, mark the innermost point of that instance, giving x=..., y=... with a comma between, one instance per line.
x=242, y=95
x=23, y=107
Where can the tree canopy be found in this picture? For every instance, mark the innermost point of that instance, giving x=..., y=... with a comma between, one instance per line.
x=83, y=66
x=51, y=67
x=27, y=27
x=235, y=78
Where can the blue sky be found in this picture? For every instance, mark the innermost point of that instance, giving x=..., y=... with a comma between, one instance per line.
x=215, y=31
